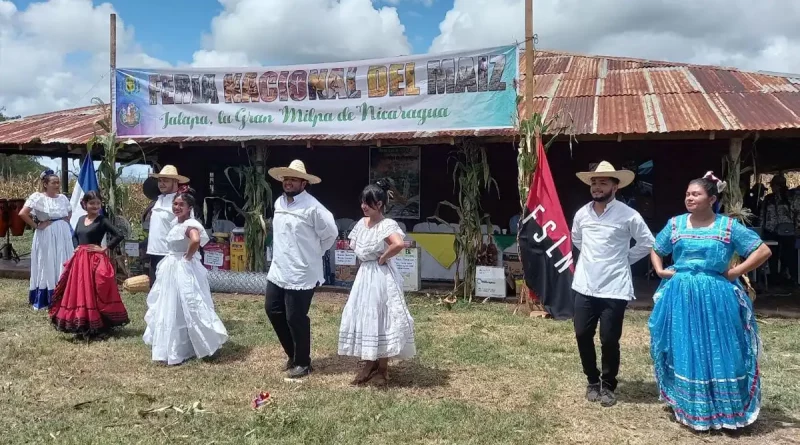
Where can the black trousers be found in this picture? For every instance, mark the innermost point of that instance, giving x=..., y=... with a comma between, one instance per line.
x=287, y=311
x=154, y=260
x=609, y=313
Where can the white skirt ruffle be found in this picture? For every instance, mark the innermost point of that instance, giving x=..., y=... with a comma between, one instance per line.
x=51, y=248
x=181, y=322
x=376, y=322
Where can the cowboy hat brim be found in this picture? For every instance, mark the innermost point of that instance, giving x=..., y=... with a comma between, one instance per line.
x=278, y=173
x=625, y=177
x=181, y=179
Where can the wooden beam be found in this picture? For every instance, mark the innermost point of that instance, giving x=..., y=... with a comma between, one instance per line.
x=65, y=174
x=528, y=59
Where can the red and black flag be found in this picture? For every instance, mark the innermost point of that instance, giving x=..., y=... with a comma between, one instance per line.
x=545, y=244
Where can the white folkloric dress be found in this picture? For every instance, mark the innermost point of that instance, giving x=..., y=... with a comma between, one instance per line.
x=52, y=246
x=376, y=322
x=181, y=322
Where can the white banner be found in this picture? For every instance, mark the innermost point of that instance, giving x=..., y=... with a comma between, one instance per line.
x=455, y=91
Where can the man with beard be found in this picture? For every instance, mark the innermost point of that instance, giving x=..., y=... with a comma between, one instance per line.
x=161, y=217
x=602, y=231
x=303, y=231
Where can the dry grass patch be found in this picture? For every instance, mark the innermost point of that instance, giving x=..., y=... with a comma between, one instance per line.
x=482, y=376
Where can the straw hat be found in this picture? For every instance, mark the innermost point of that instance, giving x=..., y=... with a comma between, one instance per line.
x=295, y=170
x=606, y=170
x=170, y=172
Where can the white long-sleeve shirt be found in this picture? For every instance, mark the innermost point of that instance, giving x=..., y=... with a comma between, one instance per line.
x=302, y=232
x=604, y=265
x=161, y=221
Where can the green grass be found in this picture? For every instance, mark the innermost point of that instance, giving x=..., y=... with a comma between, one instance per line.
x=483, y=376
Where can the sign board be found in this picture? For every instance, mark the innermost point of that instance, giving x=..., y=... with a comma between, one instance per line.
x=132, y=248
x=408, y=262
x=490, y=282
x=344, y=258
x=213, y=258
x=460, y=90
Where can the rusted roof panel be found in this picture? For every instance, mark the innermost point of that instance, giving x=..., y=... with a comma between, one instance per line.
x=542, y=85
x=620, y=114
x=620, y=64
x=756, y=111
x=625, y=83
x=790, y=101
x=75, y=126
x=688, y=112
x=576, y=113
x=770, y=84
x=670, y=81
x=577, y=88
x=551, y=65
x=583, y=68
x=717, y=80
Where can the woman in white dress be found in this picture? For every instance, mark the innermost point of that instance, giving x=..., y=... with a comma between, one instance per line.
x=181, y=322
x=376, y=324
x=48, y=212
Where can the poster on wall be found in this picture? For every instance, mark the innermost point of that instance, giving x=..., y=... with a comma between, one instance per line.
x=400, y=167
x=460, y=90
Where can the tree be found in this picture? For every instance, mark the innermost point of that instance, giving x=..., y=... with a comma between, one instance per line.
x=17, y=165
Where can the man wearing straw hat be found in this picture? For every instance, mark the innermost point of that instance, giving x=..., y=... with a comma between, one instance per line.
x=303, y=230
x=602, y=231
x=161, y=216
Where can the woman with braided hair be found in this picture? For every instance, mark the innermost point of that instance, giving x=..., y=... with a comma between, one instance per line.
x=703, y=334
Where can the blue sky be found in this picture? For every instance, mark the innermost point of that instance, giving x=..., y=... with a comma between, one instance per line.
x=175, y=37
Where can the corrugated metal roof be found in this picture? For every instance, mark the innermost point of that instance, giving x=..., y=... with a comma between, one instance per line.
x=591, y=94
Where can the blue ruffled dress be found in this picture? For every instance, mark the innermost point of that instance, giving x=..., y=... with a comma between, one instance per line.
x=704, y=339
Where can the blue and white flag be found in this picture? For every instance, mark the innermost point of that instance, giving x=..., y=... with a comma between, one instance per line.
x=87, y=182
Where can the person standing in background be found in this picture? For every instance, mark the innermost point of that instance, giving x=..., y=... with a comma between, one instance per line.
x=161, y=217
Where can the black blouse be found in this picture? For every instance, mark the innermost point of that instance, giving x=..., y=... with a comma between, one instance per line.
x=94, y=232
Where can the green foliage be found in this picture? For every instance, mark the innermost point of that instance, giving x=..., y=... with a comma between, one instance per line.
x=471, y=177
x=258, y=202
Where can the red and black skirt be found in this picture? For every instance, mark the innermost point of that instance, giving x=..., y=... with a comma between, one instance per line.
x=86, y=299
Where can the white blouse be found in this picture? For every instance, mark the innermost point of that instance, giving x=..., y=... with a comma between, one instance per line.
x=302, y=232
x=45, y=208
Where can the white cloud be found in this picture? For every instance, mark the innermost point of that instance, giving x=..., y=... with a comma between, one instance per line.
x=54, y=54
x=749, y=34
x=301, y=31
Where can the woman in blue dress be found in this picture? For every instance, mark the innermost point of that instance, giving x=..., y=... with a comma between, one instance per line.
x=703, y=335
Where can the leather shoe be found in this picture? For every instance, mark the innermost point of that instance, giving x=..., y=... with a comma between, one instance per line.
x=298, y=372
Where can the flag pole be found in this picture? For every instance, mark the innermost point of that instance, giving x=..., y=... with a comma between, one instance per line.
x=112, y=57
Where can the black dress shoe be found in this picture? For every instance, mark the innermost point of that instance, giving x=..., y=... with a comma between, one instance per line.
x=299, y=371
x=289, y=365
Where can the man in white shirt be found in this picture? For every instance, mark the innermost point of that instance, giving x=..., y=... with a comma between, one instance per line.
x=303, y=230
x=602, y=231
x=161, y=217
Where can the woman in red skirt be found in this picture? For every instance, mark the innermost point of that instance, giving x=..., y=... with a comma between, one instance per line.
x=86, y=299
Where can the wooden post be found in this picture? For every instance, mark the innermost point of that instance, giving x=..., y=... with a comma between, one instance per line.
x=113, y=63
x=65, y=174
x=528, y=59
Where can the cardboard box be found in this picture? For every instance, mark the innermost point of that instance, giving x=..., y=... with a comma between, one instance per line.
x=490, y=282
x=238, y=256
